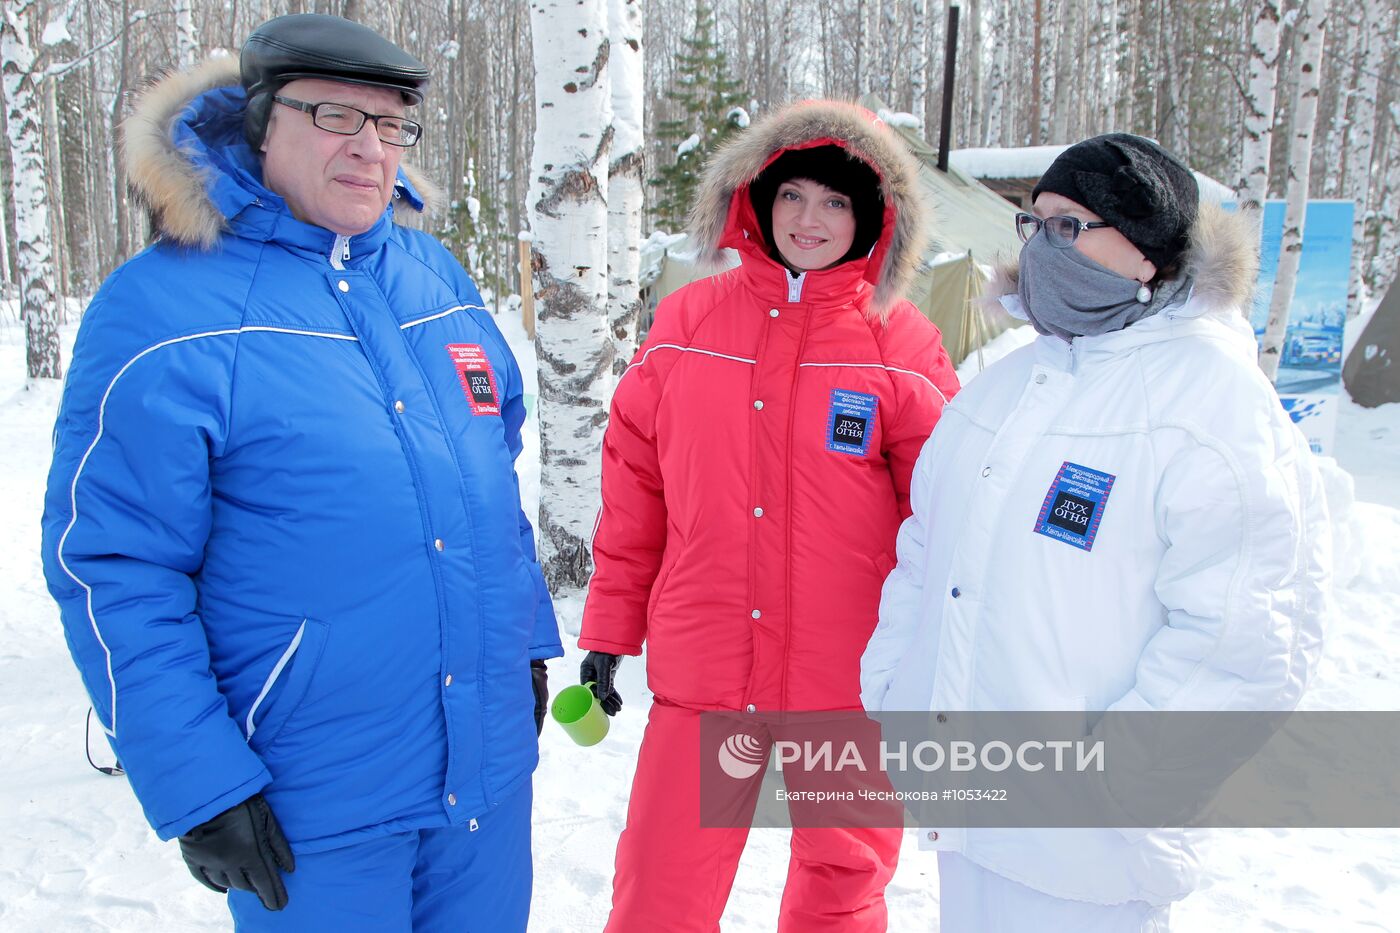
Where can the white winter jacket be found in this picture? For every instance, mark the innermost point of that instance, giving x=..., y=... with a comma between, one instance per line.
x=1130, y=522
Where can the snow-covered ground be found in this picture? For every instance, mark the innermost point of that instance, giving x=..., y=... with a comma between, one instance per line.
x=77, y=855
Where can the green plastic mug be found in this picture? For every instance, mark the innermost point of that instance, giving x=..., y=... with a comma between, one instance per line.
x=579, y=712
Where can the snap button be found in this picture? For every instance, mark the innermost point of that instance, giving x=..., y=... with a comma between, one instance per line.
x=772, y=312
x=447, y=681
x=758, y=405
x=751, y=708
x=756, y=614
x=343, y=285
x=933, y=835
x=438, y=544
x=956, y=592
x=758, y=513
x=986, y=471
x=1040, y=379
x=398, y=406
x=942, y=717
x=452, y=800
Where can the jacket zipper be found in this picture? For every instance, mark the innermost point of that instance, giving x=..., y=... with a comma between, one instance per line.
x=787, y=574
x=340, y=251
x=794, y=284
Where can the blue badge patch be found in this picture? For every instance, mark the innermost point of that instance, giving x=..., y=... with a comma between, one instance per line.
x=850, y=421
x=1073, y=508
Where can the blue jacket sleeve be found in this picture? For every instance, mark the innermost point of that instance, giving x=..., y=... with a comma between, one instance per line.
x=126, y=517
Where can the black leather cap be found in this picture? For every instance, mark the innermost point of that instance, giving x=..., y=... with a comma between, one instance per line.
x=313, y=45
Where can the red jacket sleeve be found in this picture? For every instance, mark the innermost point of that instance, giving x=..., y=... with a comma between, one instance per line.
x=630, y=537
x=924, y=381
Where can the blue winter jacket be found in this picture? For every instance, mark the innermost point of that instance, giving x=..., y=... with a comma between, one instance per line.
x=283, y=524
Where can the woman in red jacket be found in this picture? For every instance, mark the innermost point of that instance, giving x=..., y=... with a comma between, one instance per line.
x=755, y=472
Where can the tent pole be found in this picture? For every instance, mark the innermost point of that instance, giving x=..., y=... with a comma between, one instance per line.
x=950, y=67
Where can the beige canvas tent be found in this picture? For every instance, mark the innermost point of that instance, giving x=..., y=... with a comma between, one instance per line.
x=973, y=228
x=1372, y=370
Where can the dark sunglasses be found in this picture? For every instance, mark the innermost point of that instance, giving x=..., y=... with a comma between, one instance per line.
x=1060, y=231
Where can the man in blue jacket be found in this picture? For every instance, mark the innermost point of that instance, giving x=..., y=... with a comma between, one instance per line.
x=283, y=524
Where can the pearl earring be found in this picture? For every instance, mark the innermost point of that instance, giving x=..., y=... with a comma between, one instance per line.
x=1144, y=294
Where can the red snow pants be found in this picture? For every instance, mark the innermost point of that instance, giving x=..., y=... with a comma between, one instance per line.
x=674, y=876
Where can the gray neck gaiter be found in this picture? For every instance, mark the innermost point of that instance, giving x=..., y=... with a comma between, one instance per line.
x=1067, y=294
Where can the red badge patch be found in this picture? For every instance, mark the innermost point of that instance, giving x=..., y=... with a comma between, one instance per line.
x=477, y=377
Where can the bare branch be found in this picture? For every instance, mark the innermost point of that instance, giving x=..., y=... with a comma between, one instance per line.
x=59, y=69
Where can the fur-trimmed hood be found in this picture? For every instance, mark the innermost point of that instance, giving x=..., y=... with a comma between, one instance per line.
x=1222, y=261
x=723, y=217
x=187, y=161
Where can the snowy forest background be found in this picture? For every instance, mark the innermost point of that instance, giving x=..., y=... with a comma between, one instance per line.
x=1272, y=97
x=1275, y=98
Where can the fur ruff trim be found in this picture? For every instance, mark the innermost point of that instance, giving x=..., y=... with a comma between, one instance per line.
x=743, y=158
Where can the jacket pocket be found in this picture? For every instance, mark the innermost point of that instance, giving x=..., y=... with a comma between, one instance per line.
x=286, y=686
x=660, y=585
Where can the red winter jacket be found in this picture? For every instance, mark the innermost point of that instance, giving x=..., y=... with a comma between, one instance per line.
x=757, y=463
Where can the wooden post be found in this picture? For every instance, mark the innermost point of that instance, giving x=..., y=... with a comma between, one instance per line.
x=950, y=69
x=527, y=290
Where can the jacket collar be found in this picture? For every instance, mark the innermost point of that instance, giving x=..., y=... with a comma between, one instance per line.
x=1195, y=317
x=773, y=283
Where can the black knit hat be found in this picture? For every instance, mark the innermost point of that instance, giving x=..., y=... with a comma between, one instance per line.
x=1145, y=192
x=313, y=45
x=833, y=167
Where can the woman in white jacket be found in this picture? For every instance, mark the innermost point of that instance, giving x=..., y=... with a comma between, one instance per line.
x=1118, y=517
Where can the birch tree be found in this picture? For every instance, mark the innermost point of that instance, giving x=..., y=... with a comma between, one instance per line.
x=864, y=48
x=1252, y=185
x=886, y=31
x=29, y=190
x=1346, y=34
x=1064, y=62
x=1037, y=113
x=4, y=237
x=568, y=208
x=1311, y=27
x=1382, y=267
x=1361, y=139
x=918, y=69
x=973, y=55
x=187, y=34
x=785, y=60
x=626, y=195
x=996, y=79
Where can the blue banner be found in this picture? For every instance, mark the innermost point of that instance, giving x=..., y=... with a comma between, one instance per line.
x=1310, y=373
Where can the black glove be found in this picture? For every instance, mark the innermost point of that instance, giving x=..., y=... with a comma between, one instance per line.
x=539, y=679
x=599, y=669
x=241, y=848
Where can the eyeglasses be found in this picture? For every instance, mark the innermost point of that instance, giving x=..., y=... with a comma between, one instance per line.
x=347, y=121
x=1060, y=231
